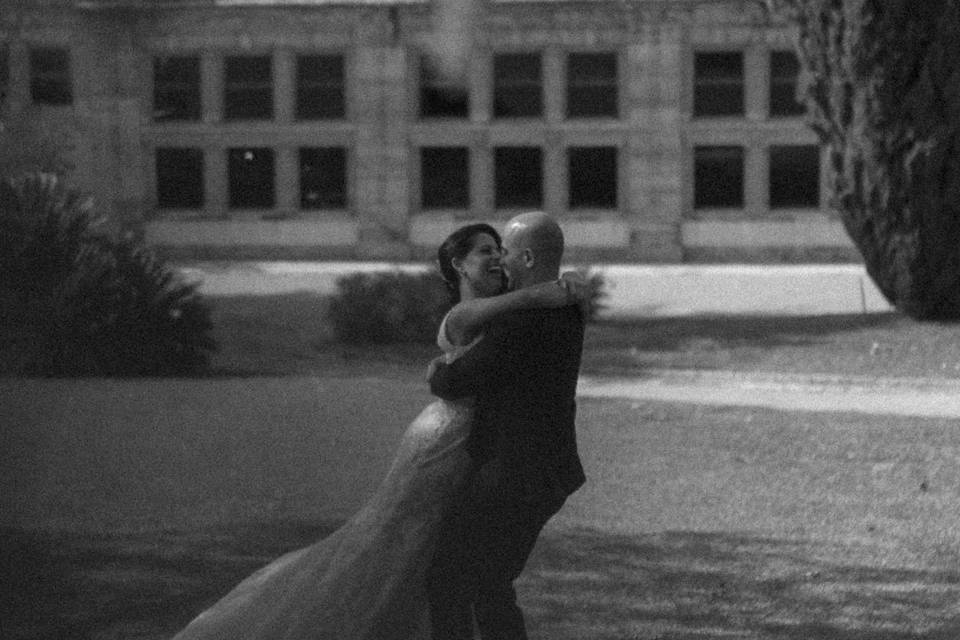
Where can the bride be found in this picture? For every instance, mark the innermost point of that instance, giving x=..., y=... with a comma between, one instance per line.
x=366, y=581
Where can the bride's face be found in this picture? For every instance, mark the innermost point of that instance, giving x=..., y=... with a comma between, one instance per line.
x=480, y=269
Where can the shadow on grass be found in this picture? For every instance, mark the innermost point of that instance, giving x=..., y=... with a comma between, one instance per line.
x=718, y=585
x=143, y=585
x=580, y=584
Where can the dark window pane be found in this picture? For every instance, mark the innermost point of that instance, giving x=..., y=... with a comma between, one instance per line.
x=250, y=172
x=50, y=76
x=176, y=88
x=323, y=178
x=321, y=87
x=517, y=85
x=592, y=85
x=179, y=178
x=445, y=178
x=593, y=177
x=718, y=177
x=784, y=69
x=518, y=177
x=248, y=88
x=794, y=176
x=718, y=84
x=439, y=97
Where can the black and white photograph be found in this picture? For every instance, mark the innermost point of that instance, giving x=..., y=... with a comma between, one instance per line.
x=479, y=319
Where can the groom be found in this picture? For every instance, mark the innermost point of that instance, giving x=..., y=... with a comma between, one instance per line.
x=523, y=374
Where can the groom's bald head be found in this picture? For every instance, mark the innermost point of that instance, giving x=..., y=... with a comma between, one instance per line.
x=533, y=244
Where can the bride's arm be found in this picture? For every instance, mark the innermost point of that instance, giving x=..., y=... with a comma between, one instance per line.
x=467, y=317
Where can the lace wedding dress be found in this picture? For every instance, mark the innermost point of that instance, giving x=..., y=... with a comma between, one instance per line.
x=365, y=581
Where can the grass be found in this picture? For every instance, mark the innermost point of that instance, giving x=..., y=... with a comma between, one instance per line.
x=696, y=522
x=131, y=505
x=287, y=334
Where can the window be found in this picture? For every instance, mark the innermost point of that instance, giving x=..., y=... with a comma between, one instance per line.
x=321, y=87
x=718, y=177
x=517, y=85
x=439, y=96
x=592, y=85
x=445, y=178
x=248, y=88
x=250, y=172
x=4, y=71
x=592, y=175
x=323, y=178
x=718, y=84
x=50, y=76
x=784, y=69
x=794, y=176
x=179, y=178
x=176, y=88
x=518, y=177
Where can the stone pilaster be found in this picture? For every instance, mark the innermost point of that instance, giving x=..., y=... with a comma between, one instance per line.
x=654, y=151
x=381, y=153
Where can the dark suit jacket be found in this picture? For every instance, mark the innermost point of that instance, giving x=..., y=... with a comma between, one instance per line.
x=523, y=374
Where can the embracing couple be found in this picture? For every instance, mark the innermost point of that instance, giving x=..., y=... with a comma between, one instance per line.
x=433, y=554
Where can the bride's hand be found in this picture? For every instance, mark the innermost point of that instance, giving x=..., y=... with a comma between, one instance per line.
x=432, y=367
x=577, y=288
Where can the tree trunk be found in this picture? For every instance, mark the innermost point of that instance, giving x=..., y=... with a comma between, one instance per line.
x=881, y=82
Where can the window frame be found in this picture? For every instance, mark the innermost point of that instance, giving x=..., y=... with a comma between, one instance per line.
x=614, y=176
x=741, y=150
x=61, y=76
x=5, y=72
x=428, y=79
x=775, y=82
x=177, y=85
x=344, y=202
x=497, y=177
x=233, y=197
x=247, y=86
x=462, y=204
x=597, y=84
x=338, y=86
x=498, y=85
x=189, y=170
x=794, y=151
x=704, y=84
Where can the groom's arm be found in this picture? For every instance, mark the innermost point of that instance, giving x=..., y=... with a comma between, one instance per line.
x=482, y=365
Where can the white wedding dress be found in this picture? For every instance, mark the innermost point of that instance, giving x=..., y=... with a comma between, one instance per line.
x=365, y=581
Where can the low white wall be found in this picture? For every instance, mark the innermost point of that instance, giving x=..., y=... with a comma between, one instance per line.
x=634, y=290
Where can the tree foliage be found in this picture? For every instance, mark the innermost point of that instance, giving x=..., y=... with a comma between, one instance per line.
x=881, y=82
x=78, y=301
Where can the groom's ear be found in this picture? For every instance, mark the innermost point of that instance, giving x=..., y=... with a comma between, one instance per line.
x=528, y=257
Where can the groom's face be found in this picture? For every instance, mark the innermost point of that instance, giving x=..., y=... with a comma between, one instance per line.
x=513, y=257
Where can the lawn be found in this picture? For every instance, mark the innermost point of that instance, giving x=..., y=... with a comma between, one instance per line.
x=128, y=506
x=287, y=334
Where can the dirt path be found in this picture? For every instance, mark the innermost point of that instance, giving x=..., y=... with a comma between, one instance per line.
x=893, y=396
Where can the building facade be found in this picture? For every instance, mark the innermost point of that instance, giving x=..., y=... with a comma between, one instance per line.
x=654, y=130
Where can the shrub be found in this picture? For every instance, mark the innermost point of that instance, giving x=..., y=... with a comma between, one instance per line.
x=78, y=302
x=393, y=306
x=388, y=306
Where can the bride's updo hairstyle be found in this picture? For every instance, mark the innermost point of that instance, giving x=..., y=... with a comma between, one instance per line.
x=457, y=245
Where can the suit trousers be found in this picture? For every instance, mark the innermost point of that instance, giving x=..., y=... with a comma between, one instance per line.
x=484, y=541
